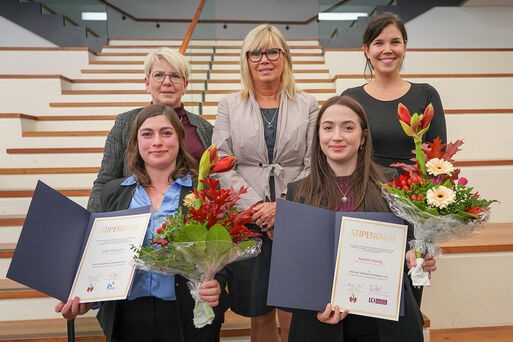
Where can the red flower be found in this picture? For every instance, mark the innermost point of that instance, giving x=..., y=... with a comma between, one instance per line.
x=224, y=164
x=162, y=242
x=159, y=231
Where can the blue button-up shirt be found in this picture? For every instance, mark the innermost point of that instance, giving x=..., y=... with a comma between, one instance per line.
x=148, y=283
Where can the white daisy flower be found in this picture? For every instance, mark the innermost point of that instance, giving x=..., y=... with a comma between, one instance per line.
x=440, y=196
x=437, y=167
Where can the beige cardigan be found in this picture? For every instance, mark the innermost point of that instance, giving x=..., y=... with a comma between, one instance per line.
x=239, y=132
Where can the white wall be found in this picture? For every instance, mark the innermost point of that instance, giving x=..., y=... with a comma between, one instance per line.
x=462, y=27
x=14, y=35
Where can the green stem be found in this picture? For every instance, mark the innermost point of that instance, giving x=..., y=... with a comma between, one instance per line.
x=420, y=156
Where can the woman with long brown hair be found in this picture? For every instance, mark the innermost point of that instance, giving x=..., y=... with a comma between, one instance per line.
x=343, y=177
x=159, y=307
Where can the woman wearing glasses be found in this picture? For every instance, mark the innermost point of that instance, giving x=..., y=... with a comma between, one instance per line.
x=268, y=126
x=166, y=78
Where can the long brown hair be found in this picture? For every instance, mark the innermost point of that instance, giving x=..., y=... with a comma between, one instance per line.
x=185, y=163
x=320, y=187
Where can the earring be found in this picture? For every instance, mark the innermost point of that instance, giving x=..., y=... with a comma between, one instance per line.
x=361, y=148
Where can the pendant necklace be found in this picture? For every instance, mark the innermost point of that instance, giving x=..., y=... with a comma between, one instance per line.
x=344, y=194
x=270, y=123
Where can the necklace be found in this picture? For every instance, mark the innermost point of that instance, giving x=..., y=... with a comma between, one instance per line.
x=344, y=194
x=269, y=123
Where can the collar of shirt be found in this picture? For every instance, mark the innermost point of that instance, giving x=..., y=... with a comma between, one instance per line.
x=183, y=181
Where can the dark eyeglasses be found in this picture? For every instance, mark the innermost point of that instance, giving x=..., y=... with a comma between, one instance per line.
x=271, y=54
x=159, y=77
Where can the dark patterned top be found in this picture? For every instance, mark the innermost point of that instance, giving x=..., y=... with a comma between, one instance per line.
x=345, y=190
x=270, y=115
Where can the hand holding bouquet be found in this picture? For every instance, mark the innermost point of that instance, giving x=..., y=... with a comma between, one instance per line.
x=211, y=234
x=431, y=195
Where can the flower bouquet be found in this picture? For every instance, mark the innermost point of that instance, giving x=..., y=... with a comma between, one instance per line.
x=199, y=243
x=431, y=195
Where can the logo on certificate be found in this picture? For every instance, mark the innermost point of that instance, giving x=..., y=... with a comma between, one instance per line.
x=353, y=298
x=90, y=288
x=378, y=301
x=110, y=286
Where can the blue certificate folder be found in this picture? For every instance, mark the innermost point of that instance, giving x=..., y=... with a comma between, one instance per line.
x=52, y=241
x=304, y=254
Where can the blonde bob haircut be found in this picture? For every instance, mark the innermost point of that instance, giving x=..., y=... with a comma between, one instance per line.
x=176, y=59
x=261, y=37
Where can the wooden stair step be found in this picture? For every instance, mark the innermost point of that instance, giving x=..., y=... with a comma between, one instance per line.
x=121, y=80
x=88, y=329
x=475, y=334
x=30, y=193
x=230, y=91
x=48, y=170
x=7, y=250
x=308, y=80
x=237, y=62
x=294, y=54
x=126, y=71
x=115, y=92
x=9, y=289
x=297, y=71
x=55, y=150
x=58, y=117
x=108, y=104
x=65, y=133
x=143, y=54
x=7, y=221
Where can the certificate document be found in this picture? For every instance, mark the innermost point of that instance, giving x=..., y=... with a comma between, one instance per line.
x=105, y=271
x=369, y=268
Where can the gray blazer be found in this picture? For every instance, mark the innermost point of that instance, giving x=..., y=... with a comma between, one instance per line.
x=239, y=132
x=114, y=164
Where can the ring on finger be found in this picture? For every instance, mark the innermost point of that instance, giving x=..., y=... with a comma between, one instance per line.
x=264, y=225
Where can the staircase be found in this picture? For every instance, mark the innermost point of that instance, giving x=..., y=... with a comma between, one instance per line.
x=49, y=26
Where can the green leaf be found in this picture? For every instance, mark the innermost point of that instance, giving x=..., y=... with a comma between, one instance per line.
x=192, y=232
x=218, y=240
x=218, y=232
x=245, y=244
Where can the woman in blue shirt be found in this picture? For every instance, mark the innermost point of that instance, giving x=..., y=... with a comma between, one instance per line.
x=159, y=307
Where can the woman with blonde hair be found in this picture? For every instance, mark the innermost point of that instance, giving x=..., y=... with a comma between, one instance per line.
x=268, y=126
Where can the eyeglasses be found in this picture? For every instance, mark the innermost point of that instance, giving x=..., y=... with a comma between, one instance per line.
x=159, y=77
x=271, y=54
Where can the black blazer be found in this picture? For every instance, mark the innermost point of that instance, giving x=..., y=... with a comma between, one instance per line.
x=118, y=197
x=306, y=328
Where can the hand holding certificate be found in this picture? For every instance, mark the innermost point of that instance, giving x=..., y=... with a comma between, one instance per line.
x=65, y=251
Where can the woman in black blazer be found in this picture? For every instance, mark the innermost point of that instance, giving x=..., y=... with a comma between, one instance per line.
x=343, y=178
x=158, y=307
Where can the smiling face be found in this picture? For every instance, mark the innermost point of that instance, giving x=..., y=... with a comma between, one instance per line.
x=166, y=92
x=340, y=137
x=266, y=71
x=386, y=52
x=158, y=143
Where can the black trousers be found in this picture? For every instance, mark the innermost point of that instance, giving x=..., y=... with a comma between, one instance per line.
x=150, y=319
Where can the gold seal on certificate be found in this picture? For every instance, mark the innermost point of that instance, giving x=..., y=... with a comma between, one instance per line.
x=369, y=268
